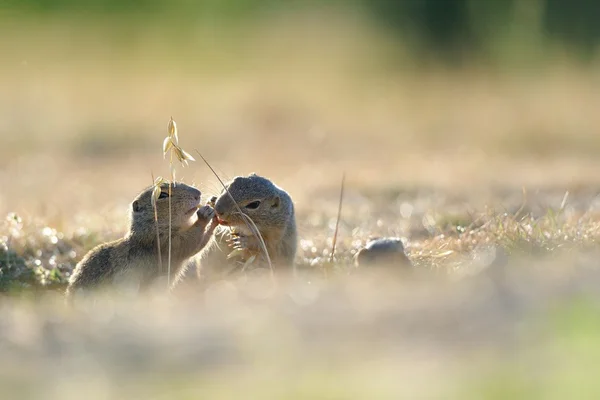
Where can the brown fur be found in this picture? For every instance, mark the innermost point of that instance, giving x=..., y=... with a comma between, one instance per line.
x=135, y=256
x=274, y=217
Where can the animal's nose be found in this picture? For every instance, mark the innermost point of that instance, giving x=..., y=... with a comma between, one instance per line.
x=196, y=193
x=220, y=208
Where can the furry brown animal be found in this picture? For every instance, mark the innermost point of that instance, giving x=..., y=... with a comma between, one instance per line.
x=272, y=210
x=134, y=258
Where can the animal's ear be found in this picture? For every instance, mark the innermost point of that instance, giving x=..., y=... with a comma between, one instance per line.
x=276, y=201
x=135, y=206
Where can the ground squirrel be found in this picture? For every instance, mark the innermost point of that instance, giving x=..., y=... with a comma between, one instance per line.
x=135, y=256
x=271, y=209
x=382, y=252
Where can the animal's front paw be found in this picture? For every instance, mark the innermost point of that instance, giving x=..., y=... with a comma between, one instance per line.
x=211, y=202
x=241, y=248
x=238, y=241
x=205, y=214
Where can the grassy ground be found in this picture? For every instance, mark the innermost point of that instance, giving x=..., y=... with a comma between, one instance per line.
x=460, y=163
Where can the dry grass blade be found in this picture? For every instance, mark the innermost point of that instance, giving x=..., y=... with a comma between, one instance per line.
x=252, y=226
x=172, y=169
x=248, y=262
x=523, y=205
x=249, y=223
x=170, y=229
x=155, y=193
x=234, y=253
x=171, y=143
x=563, y=203
x=337, y=222
x=156, y=190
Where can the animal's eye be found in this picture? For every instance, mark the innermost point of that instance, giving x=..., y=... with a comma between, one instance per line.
x=253, y=206
x=163, y=195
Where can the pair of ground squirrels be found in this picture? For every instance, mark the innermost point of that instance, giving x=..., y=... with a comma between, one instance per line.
x=134, y=258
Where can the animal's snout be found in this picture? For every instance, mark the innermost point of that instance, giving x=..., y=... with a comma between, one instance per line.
x=221, y=207
x=196, y=194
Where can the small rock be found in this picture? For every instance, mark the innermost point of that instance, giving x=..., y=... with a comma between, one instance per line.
x=383, y=251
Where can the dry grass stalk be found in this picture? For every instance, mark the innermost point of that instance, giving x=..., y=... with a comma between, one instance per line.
x=337, y=222
x=155, y=194
x=171, y=143
x=249, y=223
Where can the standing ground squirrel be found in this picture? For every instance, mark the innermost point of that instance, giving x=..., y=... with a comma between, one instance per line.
x=272, y=211
x=135, y=256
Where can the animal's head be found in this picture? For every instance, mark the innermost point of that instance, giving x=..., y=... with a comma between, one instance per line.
x=258, y=198
x=184, y=200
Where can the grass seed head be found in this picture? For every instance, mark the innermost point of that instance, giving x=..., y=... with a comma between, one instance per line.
x=167, y=144
x=172, y=130
x=171, y=143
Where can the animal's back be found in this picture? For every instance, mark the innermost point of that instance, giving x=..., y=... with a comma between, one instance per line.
x=96, y=267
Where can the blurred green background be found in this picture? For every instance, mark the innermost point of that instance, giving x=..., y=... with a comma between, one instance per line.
x=453, y=29
x=502, y=92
